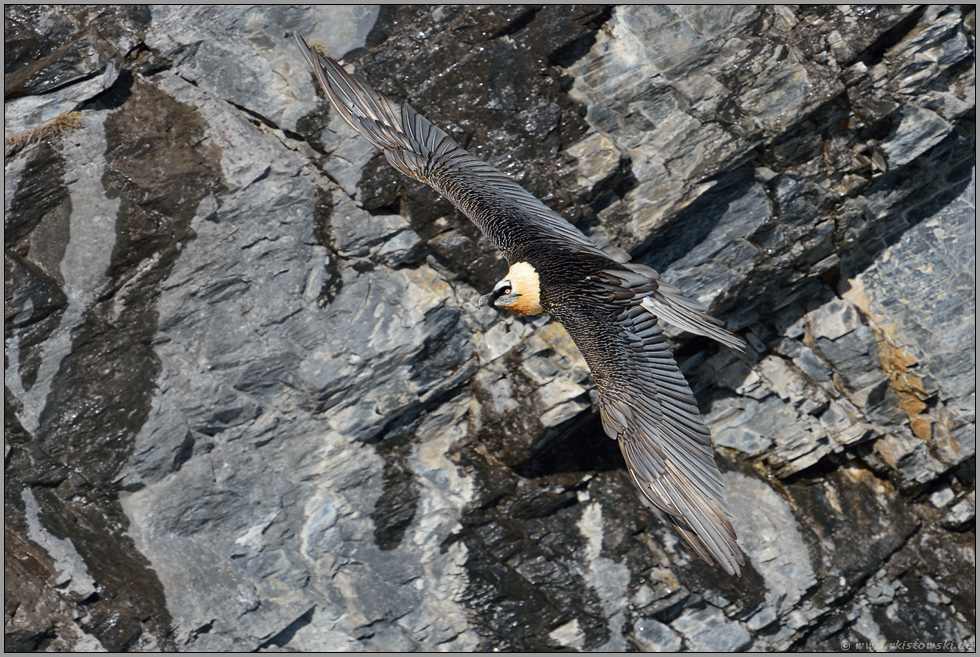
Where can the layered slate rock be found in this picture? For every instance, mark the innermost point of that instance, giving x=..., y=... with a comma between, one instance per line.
x=250, y=403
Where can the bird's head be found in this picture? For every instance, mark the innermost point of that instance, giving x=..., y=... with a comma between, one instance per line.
x=520, y=292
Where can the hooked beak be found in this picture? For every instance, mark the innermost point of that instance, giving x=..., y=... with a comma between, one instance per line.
x=484, y=300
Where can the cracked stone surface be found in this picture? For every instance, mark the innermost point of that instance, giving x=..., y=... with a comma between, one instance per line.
x=250, y=402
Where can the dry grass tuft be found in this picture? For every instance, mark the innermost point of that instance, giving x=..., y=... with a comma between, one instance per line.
x=15, y=143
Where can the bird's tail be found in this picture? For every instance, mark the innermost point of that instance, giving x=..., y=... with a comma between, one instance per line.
x=666, y=301
x=670, y=304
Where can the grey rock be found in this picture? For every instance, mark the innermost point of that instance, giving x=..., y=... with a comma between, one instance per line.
x=942, y=497
x=73, y=576
x=939, y=251
x=881, y=593
x=32, y=112
x=811, y=365
x=600, y=159
x=651, y=635
x=765, y=617
x=868, y=629
x=834, y=320
x=743, y=440
x=707, y=630
x=918, y=130
x=962, y=513
x=251, y=403
x=563, y=400
x=206, y=50
x=60, y=61
x=609, y=578
x=772, y=541
x=855, y=356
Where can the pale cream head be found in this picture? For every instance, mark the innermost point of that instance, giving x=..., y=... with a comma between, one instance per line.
x=519, y=293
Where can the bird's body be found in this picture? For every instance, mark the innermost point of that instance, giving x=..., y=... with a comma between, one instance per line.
x=610, y=307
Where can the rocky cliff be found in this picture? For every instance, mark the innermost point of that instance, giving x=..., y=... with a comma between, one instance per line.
x=250, y=403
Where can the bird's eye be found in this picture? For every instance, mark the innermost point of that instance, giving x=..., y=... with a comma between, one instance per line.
x=506, y=290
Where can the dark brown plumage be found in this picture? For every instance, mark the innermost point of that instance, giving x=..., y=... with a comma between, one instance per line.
x=610, y=307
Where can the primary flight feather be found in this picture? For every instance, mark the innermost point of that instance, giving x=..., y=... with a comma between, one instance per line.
x=610, y=307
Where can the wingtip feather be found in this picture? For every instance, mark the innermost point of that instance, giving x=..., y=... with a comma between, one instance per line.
x=705, y=523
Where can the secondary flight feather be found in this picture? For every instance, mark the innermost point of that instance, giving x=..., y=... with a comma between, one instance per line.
x=610, y=306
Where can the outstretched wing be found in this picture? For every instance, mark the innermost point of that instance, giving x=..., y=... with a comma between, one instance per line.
x=506, y=213
x=646, y=404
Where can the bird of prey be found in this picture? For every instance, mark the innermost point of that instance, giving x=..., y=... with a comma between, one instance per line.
x=611, y=307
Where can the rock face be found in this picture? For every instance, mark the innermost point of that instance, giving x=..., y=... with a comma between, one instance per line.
x=250, y=403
